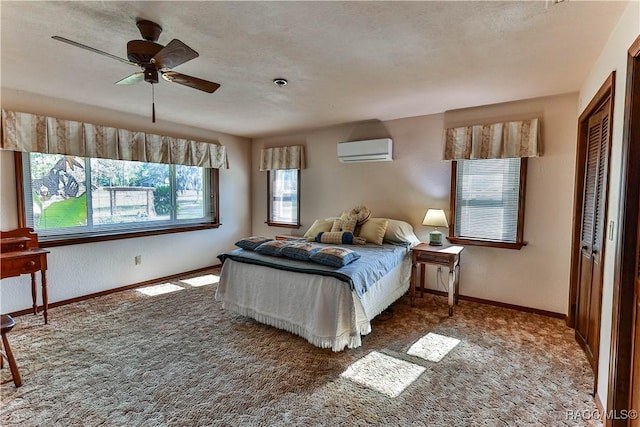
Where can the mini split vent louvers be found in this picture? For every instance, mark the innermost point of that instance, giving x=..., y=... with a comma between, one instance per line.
x=371, y=150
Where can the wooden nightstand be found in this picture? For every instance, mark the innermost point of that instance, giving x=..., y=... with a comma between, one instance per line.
x=442, y=256
x=288, y=237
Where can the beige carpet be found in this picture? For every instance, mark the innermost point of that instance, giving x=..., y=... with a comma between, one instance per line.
x=178, y=359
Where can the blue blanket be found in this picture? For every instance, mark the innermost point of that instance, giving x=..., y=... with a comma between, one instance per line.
x=375, y=262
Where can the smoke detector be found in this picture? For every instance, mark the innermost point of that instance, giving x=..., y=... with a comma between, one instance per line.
x=280, y=82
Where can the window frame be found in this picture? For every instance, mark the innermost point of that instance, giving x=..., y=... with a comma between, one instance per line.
x=270, y=222
x=519, y=243
x=100, y=236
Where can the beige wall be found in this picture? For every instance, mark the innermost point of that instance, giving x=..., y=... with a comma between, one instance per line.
x=83, y=269
x=417, y=179
x=612, y=58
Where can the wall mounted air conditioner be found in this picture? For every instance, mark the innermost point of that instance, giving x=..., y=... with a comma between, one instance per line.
x=372, y=150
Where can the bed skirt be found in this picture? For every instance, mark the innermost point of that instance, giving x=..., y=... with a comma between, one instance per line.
x=321, y=309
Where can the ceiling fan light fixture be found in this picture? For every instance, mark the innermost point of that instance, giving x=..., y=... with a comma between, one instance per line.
x=280, y=82
x=150, y=75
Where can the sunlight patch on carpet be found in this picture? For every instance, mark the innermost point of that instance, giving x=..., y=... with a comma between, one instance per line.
x=160, y=289
x=433, y=347
x=385, y=374
x=207, y=279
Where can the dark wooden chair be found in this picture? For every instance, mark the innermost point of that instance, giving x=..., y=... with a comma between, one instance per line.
x=7, y=324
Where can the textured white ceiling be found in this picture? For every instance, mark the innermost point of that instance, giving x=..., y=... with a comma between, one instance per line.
x=345, y=61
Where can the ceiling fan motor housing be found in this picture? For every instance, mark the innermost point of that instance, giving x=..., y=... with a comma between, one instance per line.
x=141, y=51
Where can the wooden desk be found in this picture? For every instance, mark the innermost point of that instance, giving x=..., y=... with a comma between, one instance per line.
x=442, y=256
x=20, y=254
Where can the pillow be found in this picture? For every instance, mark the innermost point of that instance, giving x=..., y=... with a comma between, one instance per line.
x=400, y=232
x=374, y=229
x=300, y=251
x=339, y=237
x=272, y=247
x=318, y=226
x=335, y=256
x=344, y=224
x=251, y=243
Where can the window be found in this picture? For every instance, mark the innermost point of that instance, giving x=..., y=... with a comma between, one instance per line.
x=283, y=186
x=488, y=202
x=68, y=197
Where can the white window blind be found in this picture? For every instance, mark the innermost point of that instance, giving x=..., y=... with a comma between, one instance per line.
x=284, y=196
x=487, y=199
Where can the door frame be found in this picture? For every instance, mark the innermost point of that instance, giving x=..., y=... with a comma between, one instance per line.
x=605, y=92
x=622, y=328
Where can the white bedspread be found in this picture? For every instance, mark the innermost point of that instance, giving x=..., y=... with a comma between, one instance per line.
x=321, y=309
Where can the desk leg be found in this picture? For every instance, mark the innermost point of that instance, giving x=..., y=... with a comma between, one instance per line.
x=45, y=298
x=423, y=279
x=34, y=293
x=451, y=290
x=412, y=285
x=457, y=280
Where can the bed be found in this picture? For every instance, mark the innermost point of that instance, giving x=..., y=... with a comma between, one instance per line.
x=331, y=307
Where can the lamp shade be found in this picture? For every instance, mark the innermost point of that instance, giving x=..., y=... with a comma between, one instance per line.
x=435, y=218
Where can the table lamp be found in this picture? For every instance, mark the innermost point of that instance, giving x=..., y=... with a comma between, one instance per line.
x=435, y=218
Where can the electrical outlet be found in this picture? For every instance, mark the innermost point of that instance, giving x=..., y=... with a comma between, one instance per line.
x=137, y=259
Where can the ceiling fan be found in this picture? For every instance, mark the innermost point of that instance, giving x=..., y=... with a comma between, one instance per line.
x=154, y=59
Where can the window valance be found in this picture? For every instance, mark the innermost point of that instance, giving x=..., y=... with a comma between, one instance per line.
x=291, y=157
x=34, y=133
x=493, y=141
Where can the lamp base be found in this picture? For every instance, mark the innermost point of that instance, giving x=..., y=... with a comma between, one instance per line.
x=435, y=238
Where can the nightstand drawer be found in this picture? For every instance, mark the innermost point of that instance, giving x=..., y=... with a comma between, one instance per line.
x=432, y=257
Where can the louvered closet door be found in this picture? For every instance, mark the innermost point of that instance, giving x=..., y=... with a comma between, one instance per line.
x=592, y=235
x=635, y=367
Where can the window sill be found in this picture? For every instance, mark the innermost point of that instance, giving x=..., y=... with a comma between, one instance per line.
x=283, y=225
x=489, y=243
x=118, y=235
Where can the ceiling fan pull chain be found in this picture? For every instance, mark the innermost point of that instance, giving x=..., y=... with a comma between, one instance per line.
x=153, y=104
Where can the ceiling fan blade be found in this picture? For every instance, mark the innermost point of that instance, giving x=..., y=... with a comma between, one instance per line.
x=133, y=79
x=83, y=46
x=174, y=54
x=194, y=82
